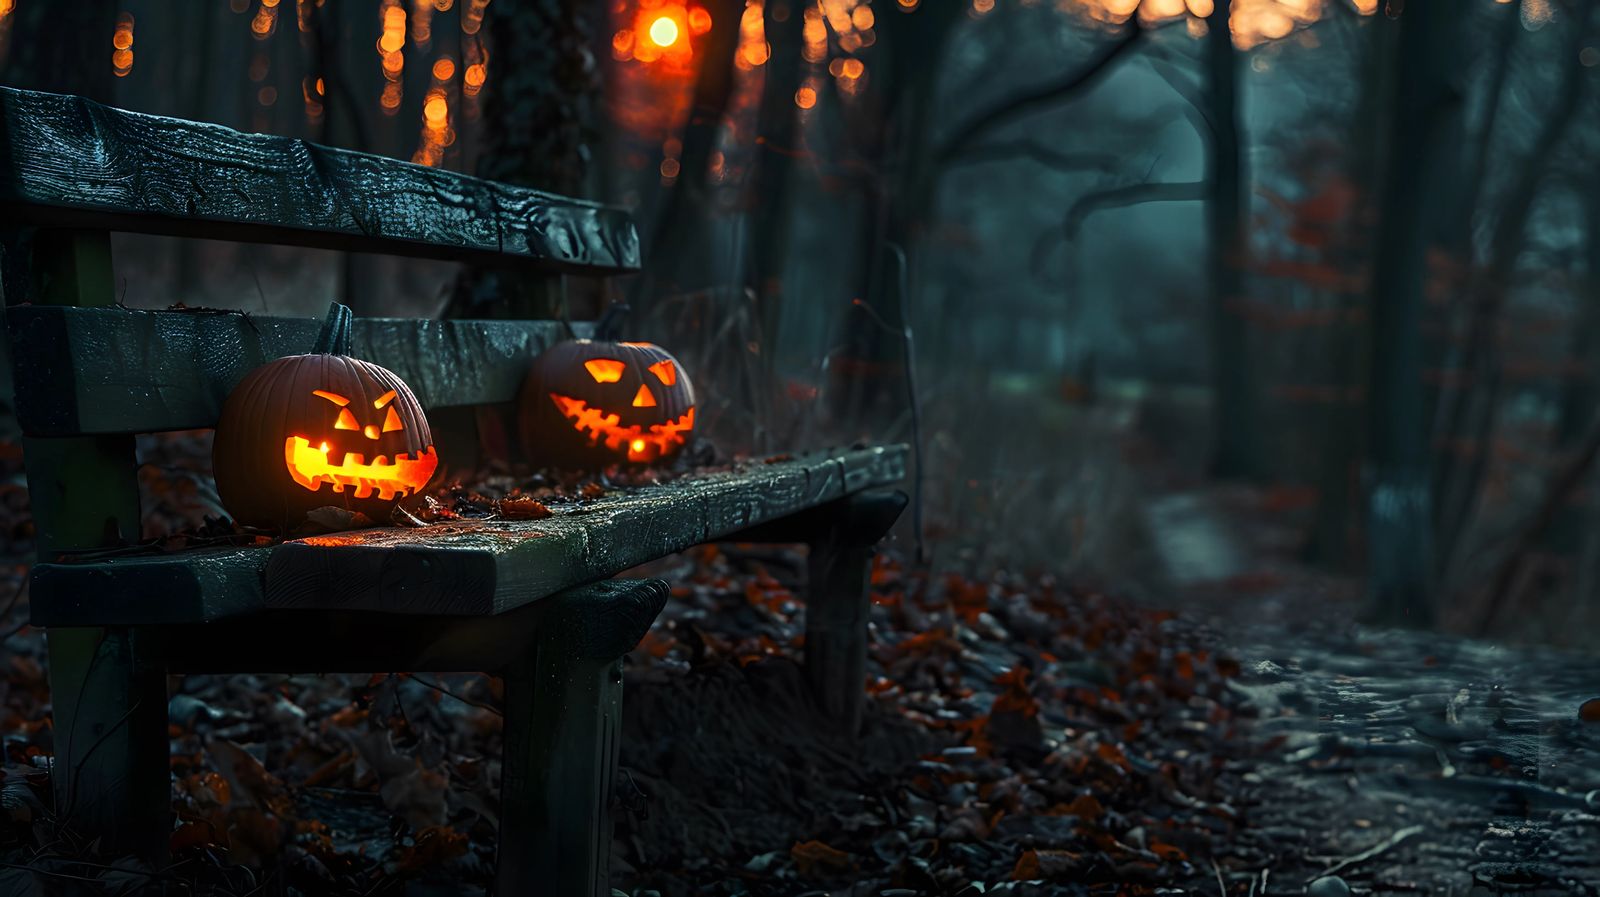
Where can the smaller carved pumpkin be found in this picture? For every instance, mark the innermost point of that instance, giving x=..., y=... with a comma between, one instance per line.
x=589, y=403
x=308, y=431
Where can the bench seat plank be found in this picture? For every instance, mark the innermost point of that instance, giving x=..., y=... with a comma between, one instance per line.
x=67, y=161
x=460, y=568
x=92, y=371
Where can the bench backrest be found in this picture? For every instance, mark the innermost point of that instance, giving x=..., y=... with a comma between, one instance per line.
x=89, y=374
x=70, y=162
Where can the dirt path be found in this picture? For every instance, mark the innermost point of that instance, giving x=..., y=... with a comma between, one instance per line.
x=1466, y=757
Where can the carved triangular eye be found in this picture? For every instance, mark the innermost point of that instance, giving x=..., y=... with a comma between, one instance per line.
x=604, y=370
x=665, y=371
x=391, y=422
x=346, y=421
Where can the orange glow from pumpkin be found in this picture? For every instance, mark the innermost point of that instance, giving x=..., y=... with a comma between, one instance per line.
x=405, y=475
x=641, y=444
x=644, y=398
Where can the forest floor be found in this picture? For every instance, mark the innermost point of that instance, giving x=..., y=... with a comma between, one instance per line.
x=1023, y=736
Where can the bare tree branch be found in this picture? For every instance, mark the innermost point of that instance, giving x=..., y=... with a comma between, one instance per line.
x=1131, y=195
x=1002, y=150
x=1560, y=490
x=1029, y=101
x=1194, y=100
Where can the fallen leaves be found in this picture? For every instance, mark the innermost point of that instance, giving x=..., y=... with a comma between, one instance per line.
x=815, y=859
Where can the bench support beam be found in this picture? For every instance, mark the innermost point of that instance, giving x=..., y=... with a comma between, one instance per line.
x=563, y=728
x=563, y=724
x=838, y=601
x=112, y=776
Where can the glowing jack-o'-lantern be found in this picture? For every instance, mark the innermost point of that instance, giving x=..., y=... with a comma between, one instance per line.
x=588, y=403
x=308, y=431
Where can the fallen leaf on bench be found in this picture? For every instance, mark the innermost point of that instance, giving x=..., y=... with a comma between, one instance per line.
x=522, y=507
x=330, y=519
x=429, y=510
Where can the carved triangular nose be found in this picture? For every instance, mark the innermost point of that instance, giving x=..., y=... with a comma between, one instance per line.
x=643, y=398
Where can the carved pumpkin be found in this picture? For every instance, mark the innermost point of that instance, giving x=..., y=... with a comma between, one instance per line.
x=308, y=431
x=589, y=403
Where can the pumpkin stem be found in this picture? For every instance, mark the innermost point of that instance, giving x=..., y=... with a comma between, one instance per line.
x=335, y=336
x=609, y=327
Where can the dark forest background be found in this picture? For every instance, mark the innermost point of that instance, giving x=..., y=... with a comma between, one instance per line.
x=1307, y=258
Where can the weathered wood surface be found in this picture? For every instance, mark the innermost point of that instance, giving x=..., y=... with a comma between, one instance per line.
x=66, y=161
x=118, y=370
x=460, y=568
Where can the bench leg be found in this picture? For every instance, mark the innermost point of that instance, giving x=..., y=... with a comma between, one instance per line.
x=838, y=600
x=563, y=721
x=563, y=718
x=112, y=777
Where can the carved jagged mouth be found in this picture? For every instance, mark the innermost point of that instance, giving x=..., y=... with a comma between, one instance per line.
x=310, y=467
x=642, y=444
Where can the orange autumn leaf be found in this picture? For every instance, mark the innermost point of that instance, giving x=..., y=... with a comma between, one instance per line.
x=1015, y=698
x=1183, y=665
x=1027, y=867
x=1167, y=852
x=1112, y=754
x=434, y=845
x=655, y=644
x=1035, y=865
x=193, y=834
x=1086, y=807
x=815, y=859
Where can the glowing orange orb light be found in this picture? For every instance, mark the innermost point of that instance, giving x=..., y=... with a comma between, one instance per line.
x=664, y=31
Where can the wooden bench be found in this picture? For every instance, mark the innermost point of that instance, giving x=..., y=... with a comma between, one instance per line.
x=529, y=600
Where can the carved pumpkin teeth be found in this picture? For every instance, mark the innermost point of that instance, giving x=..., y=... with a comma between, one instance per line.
x=640, y=444
x=311, y=468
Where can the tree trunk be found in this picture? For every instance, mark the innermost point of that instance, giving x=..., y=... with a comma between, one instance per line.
x=1422, y=159
x=541, y=95
x=895, y=201
x=777, y=143
x=1237, y=442
x=1468, y=413
x=682, y=257
x=1337, y=534
x=62, y=47
x=1580, y=395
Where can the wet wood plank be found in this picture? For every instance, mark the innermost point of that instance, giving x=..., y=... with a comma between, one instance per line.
x=459, y=568
x=66, y=161
x=82, y=371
